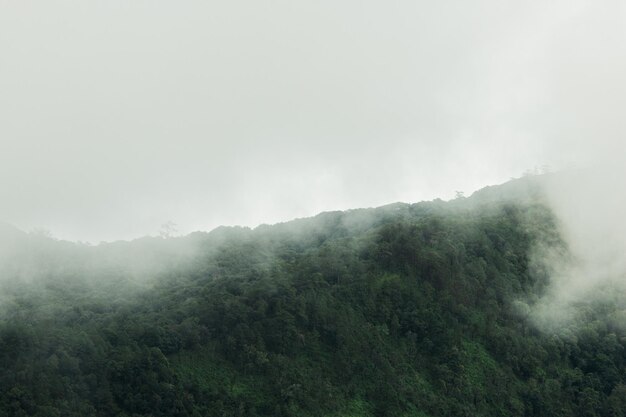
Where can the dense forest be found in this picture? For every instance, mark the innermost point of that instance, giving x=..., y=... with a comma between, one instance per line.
x=404, y=310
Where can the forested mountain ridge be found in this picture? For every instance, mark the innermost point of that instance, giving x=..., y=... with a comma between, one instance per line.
x=404, y=310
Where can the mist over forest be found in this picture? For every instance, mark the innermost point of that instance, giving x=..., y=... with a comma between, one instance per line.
x=475, y=306
x=312, y=209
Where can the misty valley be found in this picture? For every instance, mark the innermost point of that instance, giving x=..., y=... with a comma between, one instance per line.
x=428, y=309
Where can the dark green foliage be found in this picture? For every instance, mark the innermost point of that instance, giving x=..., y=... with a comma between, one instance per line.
x=406, y=310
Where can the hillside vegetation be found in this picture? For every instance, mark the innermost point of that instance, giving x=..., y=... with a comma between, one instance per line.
x=404, y=310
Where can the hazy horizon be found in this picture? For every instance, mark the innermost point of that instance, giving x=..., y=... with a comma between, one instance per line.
x=118, y=117
x=171, y=229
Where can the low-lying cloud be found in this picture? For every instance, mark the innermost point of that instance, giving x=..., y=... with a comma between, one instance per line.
x=590, y=205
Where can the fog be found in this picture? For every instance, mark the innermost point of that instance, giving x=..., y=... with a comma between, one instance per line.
x=589, y=204
x=118, y=117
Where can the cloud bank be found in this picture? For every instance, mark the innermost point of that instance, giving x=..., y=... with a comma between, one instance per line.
x=116, y=117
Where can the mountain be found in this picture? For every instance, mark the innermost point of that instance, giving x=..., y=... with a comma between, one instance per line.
x=403, y=310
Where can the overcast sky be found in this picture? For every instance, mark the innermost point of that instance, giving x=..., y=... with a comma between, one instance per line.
x=117, y=116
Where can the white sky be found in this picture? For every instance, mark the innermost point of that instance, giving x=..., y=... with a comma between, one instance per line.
x=117, y=116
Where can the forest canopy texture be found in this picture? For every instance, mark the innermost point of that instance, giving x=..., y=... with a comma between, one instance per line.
x=404, y=310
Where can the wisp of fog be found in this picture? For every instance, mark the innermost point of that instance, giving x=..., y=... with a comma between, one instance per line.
x=589, y=204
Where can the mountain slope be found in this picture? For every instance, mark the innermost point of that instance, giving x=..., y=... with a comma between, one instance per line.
x=404, y=310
